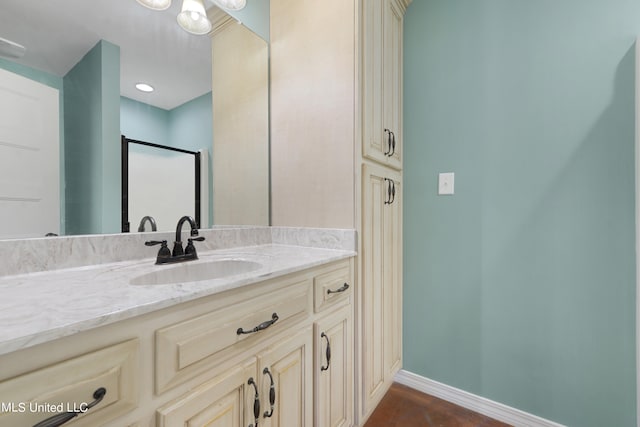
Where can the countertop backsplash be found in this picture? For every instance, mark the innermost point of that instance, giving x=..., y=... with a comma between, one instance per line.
x=54, y=253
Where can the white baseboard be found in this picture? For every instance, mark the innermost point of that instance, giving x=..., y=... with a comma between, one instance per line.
x=495, y=410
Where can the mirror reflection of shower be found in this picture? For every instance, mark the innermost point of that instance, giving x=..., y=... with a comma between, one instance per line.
x=162, y=183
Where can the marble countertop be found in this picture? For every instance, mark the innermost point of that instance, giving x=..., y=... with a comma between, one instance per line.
x=40, y=307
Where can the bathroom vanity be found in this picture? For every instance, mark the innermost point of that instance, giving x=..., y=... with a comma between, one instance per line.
x=256, y=333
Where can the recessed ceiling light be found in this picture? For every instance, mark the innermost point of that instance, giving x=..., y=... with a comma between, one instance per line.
x=144, y=87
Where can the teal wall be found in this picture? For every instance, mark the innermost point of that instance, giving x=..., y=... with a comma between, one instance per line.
x=92, y=142
x=144, y=122
x=521, y=287
x=56, y=83
x=188, y=126
x=111, y=151
x=191, y=124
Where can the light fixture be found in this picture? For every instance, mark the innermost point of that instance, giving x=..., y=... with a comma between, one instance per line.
x=231, y=4
x=143, y=87
x=193, y=17
x=155, y=4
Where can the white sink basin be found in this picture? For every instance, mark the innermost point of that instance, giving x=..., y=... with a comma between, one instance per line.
x=195, y=272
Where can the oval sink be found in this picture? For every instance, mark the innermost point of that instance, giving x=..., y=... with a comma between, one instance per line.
x=196, y=272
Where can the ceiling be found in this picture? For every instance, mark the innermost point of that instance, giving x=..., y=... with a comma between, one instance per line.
x=153, y=48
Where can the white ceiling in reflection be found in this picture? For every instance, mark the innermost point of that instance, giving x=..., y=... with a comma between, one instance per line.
x=153, y=48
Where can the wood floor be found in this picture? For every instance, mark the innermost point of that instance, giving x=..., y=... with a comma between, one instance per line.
x=405, y=407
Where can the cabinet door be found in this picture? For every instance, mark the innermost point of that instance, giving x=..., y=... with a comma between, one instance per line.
x=392, y=84
x=287, y=368
x=333, y=370
x=392, y=281
x=381, y=285
x=225, y=401
x=382, y=82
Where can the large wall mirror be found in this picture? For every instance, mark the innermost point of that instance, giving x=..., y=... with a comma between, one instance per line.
x=82, y=62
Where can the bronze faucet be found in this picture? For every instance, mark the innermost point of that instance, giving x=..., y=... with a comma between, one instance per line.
x=151, y=220
x=178, y=254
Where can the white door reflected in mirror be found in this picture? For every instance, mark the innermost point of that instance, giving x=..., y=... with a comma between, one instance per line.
x=29, y=158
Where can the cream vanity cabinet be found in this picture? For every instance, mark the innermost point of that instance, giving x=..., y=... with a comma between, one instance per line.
x=333, y=367
x=288, y=380
x=252, y=356
x=272, y=388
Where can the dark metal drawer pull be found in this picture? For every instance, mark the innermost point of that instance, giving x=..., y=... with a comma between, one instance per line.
x=272, y=393
x=256, y=403
x=391, y=191
x=328, y=352
x=388, y=199
x=393, y=145
x=63, y=418
x=261, y=327
x=339, y=290
x=388, y=132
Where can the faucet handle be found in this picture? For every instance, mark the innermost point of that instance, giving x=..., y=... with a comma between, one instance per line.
x=164, y=251
x=190, y=249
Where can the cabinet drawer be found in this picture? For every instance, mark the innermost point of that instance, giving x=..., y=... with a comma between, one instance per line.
x=191, y=348
x=332, y=286
x=70, y=386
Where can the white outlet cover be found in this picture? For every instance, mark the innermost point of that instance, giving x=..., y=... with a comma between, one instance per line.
x=446, y=184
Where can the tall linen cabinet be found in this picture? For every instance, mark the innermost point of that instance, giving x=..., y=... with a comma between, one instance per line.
x=336, y=156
